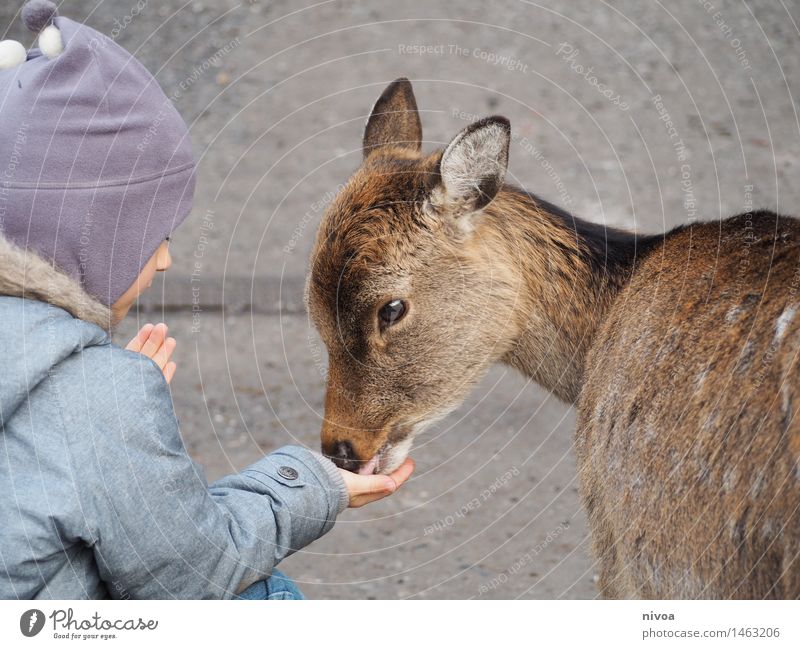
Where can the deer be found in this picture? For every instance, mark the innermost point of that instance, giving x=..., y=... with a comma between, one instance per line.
x=678, y=350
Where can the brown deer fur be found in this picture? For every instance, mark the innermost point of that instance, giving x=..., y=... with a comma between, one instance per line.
x=678, y=349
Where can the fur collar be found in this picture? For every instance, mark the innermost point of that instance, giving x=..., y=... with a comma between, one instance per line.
x=25, y=274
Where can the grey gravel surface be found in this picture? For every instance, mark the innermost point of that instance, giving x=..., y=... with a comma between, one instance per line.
x=276, y=94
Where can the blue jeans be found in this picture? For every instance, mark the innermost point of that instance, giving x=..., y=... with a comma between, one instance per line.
x=278, y=586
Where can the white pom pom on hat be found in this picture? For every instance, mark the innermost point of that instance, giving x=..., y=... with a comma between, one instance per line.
x=12, y=54
x=50, y=42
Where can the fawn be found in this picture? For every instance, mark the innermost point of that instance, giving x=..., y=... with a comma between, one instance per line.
x=679, y=351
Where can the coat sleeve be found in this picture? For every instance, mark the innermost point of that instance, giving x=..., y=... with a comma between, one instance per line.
x=158, y=529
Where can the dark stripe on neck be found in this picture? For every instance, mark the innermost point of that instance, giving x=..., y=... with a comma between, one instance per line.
x=611, y=251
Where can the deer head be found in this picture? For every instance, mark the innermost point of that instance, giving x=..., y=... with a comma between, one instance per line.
x=409, y=294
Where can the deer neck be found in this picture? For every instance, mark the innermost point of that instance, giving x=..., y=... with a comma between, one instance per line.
x=564, y=274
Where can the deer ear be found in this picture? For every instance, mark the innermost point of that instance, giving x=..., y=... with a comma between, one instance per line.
x=473, y=166
x=394, y=120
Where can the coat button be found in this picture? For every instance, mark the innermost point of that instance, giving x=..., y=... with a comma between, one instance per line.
x=288, y=472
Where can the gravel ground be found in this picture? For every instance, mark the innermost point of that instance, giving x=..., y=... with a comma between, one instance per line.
x=276, y=94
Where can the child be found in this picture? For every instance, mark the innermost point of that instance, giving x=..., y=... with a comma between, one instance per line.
x=100, y=498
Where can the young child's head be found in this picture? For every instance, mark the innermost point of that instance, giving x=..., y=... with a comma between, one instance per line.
x=96, y=168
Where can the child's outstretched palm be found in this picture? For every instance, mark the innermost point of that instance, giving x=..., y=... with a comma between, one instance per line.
x=152, y=341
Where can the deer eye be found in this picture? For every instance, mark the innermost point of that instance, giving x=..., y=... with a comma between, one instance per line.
x=391, y=312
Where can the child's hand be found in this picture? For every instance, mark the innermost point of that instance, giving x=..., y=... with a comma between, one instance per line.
x=152, y=341
x=365, y=489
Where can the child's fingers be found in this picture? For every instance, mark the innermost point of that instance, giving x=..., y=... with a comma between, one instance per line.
x=169, y=371
x=164, y=353
x=380, y=485
x=152, y=341
x=155, y=340
x=135, y=345
x=365, y=489
x=366, y=499
x=403, y=472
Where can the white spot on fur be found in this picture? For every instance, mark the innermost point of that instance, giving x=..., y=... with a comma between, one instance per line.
x=700, y=379
x=783, y=322
x=733, y=314
x=710, y=422
x=757, y=485
x=599, y=409
x=786, y=401
x=729, y=479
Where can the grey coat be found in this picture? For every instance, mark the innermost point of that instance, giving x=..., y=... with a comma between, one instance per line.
x=99, y=498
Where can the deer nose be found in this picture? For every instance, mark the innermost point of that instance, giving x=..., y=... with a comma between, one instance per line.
x=343, y=455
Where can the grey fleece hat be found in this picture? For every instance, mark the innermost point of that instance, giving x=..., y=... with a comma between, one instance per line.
x=96, y=168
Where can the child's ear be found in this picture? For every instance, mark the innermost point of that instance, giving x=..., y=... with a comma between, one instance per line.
x=473, y=168
x=394, y=120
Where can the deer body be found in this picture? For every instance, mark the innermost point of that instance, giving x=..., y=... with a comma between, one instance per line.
x=687, y=441
x=428, y=269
